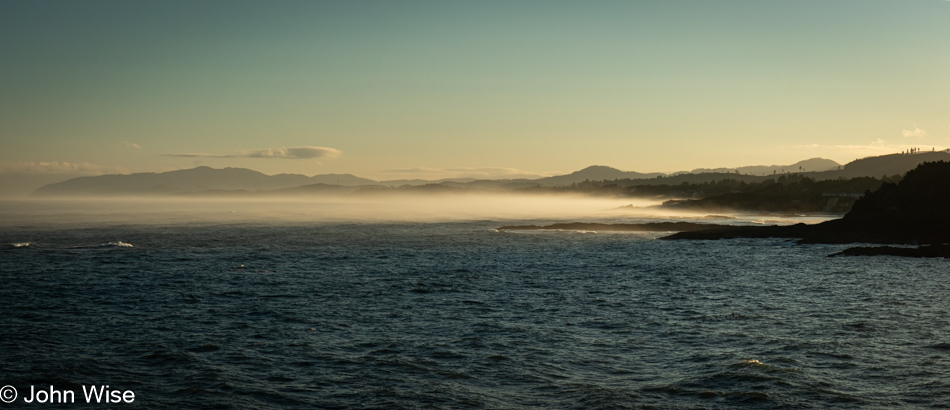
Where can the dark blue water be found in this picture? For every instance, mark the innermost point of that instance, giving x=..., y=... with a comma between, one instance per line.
x=455, y=315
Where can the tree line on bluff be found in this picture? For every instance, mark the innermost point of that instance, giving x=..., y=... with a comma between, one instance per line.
x=914, y=211
x=787, y=193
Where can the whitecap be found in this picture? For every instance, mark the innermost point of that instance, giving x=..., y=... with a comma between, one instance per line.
x=21, y=244
x=119, y=244
x=753, y=362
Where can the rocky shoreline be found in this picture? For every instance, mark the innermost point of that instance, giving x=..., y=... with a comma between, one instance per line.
x=914, y=212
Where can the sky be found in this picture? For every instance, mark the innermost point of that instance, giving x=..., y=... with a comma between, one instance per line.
x=436, y=89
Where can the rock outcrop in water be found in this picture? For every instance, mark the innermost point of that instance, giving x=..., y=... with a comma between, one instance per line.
x=916, y=211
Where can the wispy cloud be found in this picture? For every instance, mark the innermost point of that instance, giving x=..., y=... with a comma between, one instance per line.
x=277, y=153
x=55, y=167
x=130, y=145
x=294, y=153
x=916, y=132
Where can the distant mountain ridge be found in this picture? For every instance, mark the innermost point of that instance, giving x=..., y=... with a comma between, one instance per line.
x=191, y=180
x=808, y=165
x=593, y=173
x=341, y=179
x=236, y=180
x=893, y=164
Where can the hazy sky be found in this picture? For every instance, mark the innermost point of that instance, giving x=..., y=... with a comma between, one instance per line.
x=394, y=89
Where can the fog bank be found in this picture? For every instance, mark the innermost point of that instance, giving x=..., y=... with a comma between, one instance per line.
x=409, y=208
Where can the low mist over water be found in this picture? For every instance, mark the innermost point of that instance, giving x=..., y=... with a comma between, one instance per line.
x=72, y=212
x=416, y=208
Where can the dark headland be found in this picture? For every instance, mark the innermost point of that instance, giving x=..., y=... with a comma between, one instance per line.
x=915, y=211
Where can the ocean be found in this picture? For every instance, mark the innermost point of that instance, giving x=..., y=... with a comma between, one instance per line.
x=455, y=314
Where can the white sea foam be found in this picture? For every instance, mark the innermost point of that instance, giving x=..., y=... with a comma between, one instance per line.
x=118, y=244
x=753, y=362
x=21, y=244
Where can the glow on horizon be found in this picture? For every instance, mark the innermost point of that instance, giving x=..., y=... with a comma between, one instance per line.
x=431, y=89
